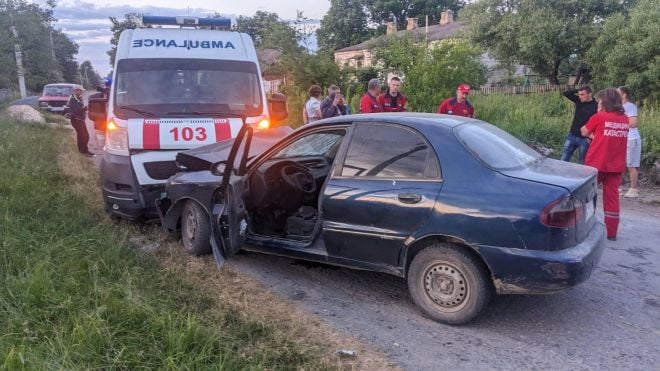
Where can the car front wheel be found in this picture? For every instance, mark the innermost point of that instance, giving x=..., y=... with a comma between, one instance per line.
x=195, y=229
x=449, y=284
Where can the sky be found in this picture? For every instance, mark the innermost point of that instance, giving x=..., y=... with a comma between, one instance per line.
x=87, y=22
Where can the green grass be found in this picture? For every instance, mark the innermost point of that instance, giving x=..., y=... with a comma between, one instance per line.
x=73, y=295
x=546, y=119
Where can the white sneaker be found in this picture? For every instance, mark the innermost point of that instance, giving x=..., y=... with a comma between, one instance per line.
x=632, y=193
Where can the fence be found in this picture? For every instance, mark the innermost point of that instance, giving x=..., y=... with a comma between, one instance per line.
x=528, y=89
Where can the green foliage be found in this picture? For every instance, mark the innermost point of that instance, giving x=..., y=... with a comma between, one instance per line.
x=539, y=34
x=269, y=31
x=90, y=78
x=433, y=75
x=74, y=295
x=43, y=62
x=130, y=21
x=649, y=129
x=345, y=24
x=383, y=11
x=535, y=118
x=627, y=51
x=65, y=51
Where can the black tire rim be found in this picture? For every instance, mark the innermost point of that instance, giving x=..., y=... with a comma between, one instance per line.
x=446, y=286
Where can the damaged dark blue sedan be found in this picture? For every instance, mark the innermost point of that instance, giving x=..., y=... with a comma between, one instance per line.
x=458, y=207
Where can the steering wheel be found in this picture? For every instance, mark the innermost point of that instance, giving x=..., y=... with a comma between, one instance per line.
x=298, y=177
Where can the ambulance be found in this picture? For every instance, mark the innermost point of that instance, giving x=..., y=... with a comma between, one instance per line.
x=185, y=83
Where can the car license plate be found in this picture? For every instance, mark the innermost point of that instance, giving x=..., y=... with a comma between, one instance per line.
x=180, y=133
x=589, y=212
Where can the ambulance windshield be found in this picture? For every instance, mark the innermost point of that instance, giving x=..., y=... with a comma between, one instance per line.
x=185, y=87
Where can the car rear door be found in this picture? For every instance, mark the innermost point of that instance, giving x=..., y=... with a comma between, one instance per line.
x=229, y=227
x=381, y=192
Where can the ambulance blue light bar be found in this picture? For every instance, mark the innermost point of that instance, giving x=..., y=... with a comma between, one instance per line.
x=186, y=21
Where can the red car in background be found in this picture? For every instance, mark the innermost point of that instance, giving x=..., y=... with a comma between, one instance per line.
x=55, y=97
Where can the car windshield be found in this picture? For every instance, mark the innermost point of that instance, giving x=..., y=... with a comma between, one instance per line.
x=315, y=144
x=177, y=87
x=495, y=147
x=57, y=90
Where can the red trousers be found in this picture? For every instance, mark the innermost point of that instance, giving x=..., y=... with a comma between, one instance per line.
x=611, y=183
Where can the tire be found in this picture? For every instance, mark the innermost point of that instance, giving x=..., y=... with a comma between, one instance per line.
x=449, y=284
x=195, y=229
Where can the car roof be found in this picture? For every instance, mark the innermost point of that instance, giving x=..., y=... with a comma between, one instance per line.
x=416, y=120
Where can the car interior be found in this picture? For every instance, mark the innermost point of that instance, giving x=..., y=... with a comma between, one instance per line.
x=283, y=192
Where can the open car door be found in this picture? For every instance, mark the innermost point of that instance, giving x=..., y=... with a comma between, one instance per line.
x=229, y=219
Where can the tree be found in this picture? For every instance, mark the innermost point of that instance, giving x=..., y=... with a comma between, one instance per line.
x=269, y=31
x=539, y=34
x=65, y=51
x=431, y=74
x=627, y=51
x=130, y=21
x=345, y=24
x=398, y=11
x=44, y=62
x=90, y=78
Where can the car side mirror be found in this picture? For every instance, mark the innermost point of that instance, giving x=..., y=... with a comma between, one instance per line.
x=218, y=168
x=97, y=112
x=277, y=107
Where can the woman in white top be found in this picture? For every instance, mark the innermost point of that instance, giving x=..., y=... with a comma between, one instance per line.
x=312, y=110
x=634, y=154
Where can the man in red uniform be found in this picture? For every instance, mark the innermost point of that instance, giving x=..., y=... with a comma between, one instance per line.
x=607, y=152
x=369, y=101
x=392, y=100
x=459, y=104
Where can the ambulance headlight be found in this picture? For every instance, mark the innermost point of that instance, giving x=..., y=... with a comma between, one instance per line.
x=116, y=137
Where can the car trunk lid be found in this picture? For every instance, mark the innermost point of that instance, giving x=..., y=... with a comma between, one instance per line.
x=579, y=180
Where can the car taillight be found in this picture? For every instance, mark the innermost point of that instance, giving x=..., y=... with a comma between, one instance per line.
x=562, y=213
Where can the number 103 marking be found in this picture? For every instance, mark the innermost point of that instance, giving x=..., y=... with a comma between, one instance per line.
x=187, y=134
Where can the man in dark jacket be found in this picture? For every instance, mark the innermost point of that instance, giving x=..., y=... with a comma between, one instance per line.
x=333, y=105
x=585, y=107
x=77, y=110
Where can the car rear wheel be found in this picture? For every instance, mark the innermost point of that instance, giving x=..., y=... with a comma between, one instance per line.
x=449, y=284
x=195, y=229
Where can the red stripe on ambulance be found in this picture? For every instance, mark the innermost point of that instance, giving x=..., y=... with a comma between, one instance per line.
x=222, y=129
x=151, y=134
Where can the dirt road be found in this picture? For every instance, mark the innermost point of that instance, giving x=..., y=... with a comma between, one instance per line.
x=610, y=322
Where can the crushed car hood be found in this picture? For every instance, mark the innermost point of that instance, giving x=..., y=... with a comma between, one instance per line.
x=201, y=158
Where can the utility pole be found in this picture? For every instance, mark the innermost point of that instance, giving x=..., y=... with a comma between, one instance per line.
x=19, y=61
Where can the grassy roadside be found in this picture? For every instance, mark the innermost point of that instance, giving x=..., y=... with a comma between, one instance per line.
x=74, y=295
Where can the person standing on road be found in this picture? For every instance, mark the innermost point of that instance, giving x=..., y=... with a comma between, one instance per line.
x=333, y=105
x=392, y=100
x=312, y=110
x=585, y=107
x=369, y=102
x=634, y=154
x=607, y=152
x=458, y=105
x=77, y=110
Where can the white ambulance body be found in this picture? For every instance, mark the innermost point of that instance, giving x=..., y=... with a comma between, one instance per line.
x=173, y=89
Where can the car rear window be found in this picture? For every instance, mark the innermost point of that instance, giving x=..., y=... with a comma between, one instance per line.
x=498, y=149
